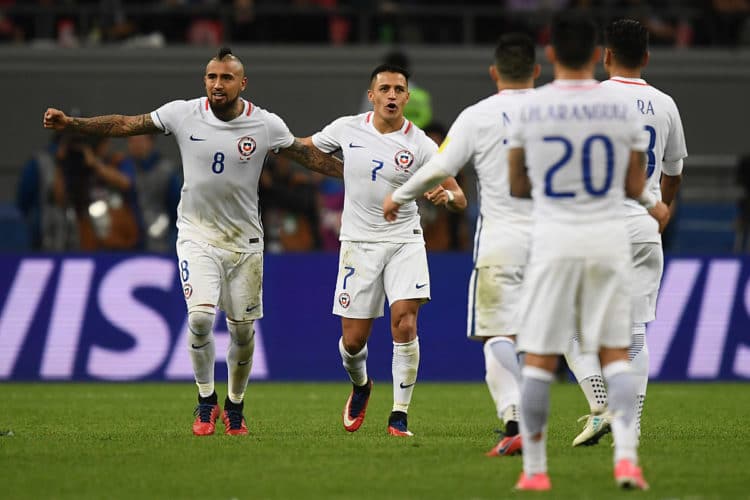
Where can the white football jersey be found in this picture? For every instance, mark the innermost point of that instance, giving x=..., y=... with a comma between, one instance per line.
x=374, y=165
x=666, y=148
x=578, y=136
x=479, y=136
x=221, y=163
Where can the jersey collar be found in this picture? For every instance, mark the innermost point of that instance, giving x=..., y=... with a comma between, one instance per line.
x=629, y=81
x=576, y=84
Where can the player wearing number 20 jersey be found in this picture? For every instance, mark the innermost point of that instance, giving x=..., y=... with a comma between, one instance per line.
x=578, y=136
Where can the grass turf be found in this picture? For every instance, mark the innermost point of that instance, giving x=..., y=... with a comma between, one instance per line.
x=134, y=441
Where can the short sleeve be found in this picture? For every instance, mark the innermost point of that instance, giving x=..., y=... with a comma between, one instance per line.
x=279, y=136
x=328, y=140
x=458, y=147
x=675, y=149
x=167, y=117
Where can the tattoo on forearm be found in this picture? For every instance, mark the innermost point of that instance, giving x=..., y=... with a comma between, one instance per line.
x=314, y=159
x=115, y=125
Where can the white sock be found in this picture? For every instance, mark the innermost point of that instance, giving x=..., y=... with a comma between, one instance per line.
x=622, y=405
x=535, y=386
x=404, y=370
x=586, y=368
x=355, y=364
x=503, y=376
x=202, y=350
x=239, y=358
x=639, y=361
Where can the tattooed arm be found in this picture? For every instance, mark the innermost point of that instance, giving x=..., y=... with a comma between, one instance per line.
x=304, y=152
x=109, y=125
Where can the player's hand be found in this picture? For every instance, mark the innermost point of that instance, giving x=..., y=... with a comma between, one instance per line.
x=438, y=196
x=55, y=119
x=660, y=212
x=390, y=209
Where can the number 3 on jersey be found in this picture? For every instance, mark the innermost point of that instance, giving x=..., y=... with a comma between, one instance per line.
x=586, y=150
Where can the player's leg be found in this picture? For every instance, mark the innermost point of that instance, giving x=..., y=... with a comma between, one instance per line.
x=200, y=277
x=407, y=285
x=405, y=364
x=548, y=316
x=648, y=262
x=585, y=367
x=494, y=294
x=242, y=300
x=606, y=321
x=359, y=298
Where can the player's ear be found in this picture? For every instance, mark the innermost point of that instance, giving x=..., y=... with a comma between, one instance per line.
x=645, y=59
x=493, y=73
x=549, y=53
x=597, y=55
x=244, y=83
x=607, y=57
x=537, y=71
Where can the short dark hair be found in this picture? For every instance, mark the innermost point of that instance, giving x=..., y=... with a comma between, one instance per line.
x=389, y=68
x=574, y=37
x=628, y=41
x=515, y=56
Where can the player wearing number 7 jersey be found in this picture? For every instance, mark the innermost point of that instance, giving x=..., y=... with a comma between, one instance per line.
x=625, y=55
x=223, y=141
x=577, y=147
x=380, y=260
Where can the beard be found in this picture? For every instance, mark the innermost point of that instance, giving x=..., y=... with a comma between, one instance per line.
x=223, y=107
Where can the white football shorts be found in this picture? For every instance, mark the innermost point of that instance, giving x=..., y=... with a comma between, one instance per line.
x=231, y=280
x=568, y=295
x=648, y=266
x=371, y=272
x=494, y=296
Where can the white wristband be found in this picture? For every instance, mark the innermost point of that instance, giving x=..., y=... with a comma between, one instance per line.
x=451, y=196
x=647, y=199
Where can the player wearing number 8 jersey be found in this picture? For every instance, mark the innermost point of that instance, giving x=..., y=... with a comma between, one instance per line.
x=577, y=147
x=223, y=142
x=380, y=260
x=625, y=55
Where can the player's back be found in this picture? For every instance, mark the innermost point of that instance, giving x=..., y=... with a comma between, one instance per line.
x=479, y=136
x=578, y=137
x=488, y=122
x=666, y=146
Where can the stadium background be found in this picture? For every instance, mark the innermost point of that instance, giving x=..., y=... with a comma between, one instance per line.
x=121, y=317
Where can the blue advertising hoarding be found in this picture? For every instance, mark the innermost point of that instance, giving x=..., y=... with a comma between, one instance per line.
x=122, y=318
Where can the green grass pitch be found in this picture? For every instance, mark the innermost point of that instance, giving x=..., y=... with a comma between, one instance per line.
x=131, y=441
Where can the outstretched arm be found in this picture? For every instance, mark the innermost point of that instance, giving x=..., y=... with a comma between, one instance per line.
x=304, y=152
x=108, y=125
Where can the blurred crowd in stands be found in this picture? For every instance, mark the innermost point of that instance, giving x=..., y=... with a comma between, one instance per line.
x=677, y=23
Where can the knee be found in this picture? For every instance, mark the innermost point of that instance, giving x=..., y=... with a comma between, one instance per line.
x=242, y=332
x=353, y=345
x=200, y=322
x=404, y=326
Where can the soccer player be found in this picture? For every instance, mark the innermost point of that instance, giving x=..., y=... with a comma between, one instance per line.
x=378, y=259
x=223, y=141
x=625, y=56
x=578, y=147
x=503, y=233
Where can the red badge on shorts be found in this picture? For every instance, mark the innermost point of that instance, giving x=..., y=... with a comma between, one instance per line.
x=187, y=289
x=344, y=300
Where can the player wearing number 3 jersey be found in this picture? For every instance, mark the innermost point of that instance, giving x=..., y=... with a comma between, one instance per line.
x=380, y=260
x=625, y=54
x=577, y=147
x=223, y=141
